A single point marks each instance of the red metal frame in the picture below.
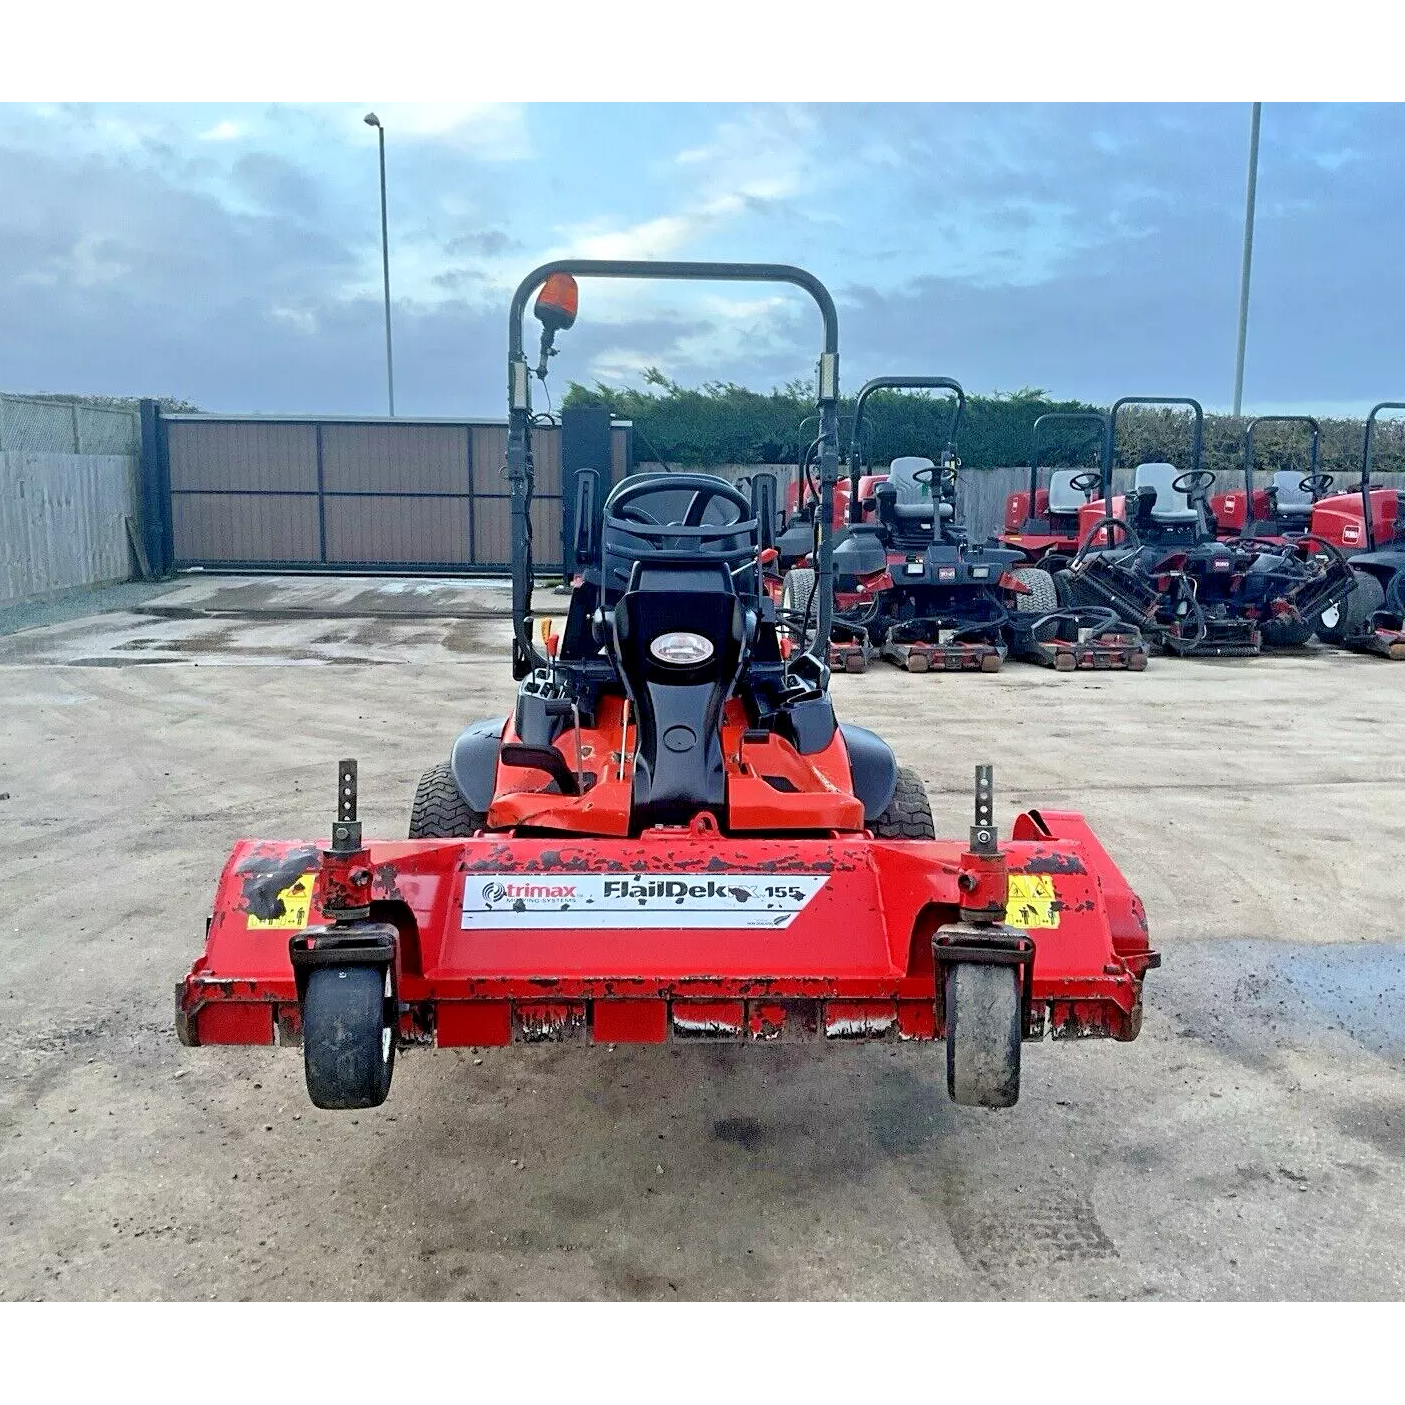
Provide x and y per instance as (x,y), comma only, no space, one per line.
(854,960)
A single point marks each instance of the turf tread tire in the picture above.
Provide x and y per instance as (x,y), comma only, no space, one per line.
(439,811)
(798,590)
(1042,599)
(1285,633)
(909,812)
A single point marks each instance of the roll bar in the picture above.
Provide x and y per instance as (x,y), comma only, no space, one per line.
(895,383)
(525,654)
(1065,416)
(1366,449)
(1110,442)
(1316,459)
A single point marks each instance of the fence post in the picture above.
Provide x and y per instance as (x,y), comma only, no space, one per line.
(155,491)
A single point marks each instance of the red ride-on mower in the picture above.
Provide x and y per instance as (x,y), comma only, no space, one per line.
(1368,524)
(1281,512)
(1161,567)
(909,586)
(670,836)
(1043,523)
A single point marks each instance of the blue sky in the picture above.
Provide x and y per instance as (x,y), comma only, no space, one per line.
(230,254)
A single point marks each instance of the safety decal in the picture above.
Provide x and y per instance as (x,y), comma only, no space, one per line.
(1030,901)
(589,900)
(297,903)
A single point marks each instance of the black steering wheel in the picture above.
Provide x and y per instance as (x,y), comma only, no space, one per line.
(1086,483)
(944,477)
(1316,484)
(623,503)
(1194,480)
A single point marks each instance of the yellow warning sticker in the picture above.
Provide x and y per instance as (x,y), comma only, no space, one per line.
(297,903)
(1031,901)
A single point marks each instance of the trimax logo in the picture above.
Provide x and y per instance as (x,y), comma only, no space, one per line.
(504,892)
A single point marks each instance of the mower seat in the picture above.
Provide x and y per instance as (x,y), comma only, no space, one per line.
(914,500)
(1170,507)
(1289,499)
(1064,500)
(678,766)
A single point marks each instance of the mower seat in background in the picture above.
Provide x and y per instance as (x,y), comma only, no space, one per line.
(1170,507)
(914,502)
(1290,499)
(1064,500)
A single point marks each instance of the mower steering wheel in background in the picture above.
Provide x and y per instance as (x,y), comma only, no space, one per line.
(1086,483)
(943,478)
(1316,484)
(1194,480)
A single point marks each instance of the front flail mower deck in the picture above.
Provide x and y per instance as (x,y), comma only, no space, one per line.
(680,933)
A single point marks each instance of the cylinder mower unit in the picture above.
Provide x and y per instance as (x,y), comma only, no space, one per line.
(671,837)
(1153,557)
(1367,524)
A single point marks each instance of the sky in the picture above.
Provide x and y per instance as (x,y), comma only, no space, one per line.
(230,254)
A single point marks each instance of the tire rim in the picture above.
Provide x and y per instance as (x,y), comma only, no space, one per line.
(1331,616)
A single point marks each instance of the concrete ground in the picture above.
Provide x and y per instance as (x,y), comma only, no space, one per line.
(1251,1144)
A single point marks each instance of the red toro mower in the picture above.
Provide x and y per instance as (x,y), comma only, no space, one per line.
(1368,525)
(1043,522)
(671,835)
(1153,557)
(1282,511)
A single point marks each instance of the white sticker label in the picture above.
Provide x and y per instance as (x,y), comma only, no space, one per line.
(592,900)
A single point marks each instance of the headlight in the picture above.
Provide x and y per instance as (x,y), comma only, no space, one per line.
(681,647)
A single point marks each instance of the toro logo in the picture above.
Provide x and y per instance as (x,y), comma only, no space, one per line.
(1351,534)
(504,892)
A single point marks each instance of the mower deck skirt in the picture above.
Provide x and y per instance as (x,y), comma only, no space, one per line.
(673,933)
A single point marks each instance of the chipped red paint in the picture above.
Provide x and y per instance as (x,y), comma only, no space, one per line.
(862,940)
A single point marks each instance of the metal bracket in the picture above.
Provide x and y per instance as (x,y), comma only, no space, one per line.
(983,832)
(346,832)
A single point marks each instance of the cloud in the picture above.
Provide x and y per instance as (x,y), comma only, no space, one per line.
(223,131)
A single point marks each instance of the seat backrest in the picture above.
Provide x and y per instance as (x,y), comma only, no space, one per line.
(1063,497)
(1170,505)
(915,499)
(1292,499)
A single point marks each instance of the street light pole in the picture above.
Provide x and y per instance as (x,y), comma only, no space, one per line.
(1248,256)
(372,120)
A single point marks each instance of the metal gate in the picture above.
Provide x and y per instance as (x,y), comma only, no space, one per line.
(310,494)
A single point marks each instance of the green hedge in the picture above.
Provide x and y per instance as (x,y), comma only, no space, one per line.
(722,423)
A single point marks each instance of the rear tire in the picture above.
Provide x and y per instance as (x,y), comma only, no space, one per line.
(909,812)
(439,811)
(1348,617)
(347,1046)
(1042,599)
(798,603)
(983,1034)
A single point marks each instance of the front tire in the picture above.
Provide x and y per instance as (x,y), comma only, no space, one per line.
(439,811)
(1347,618)
(909,812)
(798,604)
(1285,633)
(983,1033)
(1042,599)
(348,1042)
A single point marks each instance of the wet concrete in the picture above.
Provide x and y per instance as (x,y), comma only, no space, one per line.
(1250,1144)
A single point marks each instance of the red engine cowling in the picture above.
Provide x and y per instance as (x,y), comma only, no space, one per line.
(1339,519)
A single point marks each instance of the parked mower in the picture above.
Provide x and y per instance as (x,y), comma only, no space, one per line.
(796,543)
(913,588)
(1162,568)
(1043,522)
(1282,511)
(1368,524)
(670,835)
